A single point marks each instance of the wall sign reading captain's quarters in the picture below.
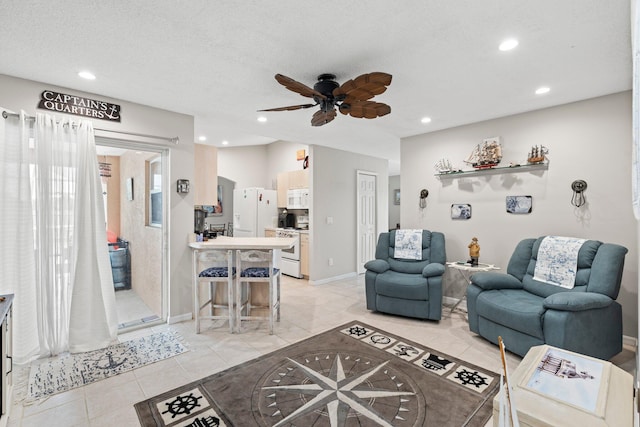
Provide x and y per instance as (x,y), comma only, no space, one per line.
(79,106)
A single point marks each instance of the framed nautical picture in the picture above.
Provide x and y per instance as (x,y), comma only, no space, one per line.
(519,204)
(460,211)
(396,196)
(571,378)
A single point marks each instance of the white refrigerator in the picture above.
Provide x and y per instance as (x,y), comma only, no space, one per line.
(253,210)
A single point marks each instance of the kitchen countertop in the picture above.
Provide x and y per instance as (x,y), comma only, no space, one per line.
(226,242)
(292,229)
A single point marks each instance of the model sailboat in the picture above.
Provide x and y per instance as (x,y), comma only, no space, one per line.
(486,155)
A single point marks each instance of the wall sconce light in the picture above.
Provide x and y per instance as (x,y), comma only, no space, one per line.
(183,186)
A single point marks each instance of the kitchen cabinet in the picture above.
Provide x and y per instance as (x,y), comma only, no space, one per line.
(292,180)
(205,175)
(299,179)
(282,188)
(304,254)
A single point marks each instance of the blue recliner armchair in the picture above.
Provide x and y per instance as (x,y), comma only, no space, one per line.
(411,288)
(526,312)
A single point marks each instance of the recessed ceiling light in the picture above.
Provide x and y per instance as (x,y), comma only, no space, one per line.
(425,120)
(508,44)
(262,119)
(542,90)
(202,138)
(87,75)
(225,142)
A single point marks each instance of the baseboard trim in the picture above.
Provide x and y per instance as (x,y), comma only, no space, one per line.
(179,318)
(333,279)
(630,341)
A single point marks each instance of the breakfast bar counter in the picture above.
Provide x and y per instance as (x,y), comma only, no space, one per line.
(244,243)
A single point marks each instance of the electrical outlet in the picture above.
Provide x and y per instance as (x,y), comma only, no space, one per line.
(330,261)
(329,220)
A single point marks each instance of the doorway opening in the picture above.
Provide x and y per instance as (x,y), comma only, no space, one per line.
(134,179)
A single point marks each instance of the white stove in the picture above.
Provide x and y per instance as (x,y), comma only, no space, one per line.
(290,258)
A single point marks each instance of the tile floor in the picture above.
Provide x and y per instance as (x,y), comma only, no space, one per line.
(131,309)
(306,310)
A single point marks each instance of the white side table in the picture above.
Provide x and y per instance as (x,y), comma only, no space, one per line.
(465,269)
(606,399)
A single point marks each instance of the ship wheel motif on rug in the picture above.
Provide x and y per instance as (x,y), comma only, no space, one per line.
(337,390)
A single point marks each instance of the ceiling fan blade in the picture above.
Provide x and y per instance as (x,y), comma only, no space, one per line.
(363,87)
(365,109)
(298,87)
(291,107)
(321,117)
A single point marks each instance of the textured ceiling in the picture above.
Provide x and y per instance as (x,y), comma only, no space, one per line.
(216,60)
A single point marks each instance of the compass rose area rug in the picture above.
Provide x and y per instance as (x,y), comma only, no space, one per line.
(73,370)
(353,375)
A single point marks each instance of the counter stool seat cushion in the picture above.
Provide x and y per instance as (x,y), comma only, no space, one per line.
(216,272)
(258,272)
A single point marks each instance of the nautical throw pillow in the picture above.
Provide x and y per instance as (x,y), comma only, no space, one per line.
(408,244)
(557,262)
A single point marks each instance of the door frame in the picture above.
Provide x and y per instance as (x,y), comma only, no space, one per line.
(359,268)
(165,154)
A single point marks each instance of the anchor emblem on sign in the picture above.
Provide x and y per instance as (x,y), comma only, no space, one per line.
(113,114)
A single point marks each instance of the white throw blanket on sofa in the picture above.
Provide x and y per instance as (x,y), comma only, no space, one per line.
(557,262)
(408,244)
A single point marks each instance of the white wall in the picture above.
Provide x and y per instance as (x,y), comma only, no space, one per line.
(247,166)
(20,94)
(282,158)
(589,140)
(334,183)
(394,210)
(259,165)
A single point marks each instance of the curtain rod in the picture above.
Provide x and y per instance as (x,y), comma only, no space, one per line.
(174,140)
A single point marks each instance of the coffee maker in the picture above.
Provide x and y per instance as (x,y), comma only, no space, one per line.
(290,221)
(282,219)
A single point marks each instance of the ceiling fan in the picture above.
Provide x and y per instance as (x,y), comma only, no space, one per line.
(352,97)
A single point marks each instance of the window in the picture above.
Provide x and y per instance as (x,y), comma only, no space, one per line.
(154,185)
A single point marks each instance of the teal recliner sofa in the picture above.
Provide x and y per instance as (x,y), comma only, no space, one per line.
(525,312)
(411,288)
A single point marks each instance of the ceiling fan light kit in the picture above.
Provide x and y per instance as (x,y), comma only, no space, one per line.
(351,98)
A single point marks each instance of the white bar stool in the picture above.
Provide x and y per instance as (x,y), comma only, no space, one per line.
(213,267)
(255,266)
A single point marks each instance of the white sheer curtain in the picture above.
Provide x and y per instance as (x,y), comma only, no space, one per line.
(74,299)
(17,255)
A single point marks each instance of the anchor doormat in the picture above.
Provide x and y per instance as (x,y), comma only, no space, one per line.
(353,375)
(73,370)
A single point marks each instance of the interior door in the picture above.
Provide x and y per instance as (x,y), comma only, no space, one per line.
(367,218)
